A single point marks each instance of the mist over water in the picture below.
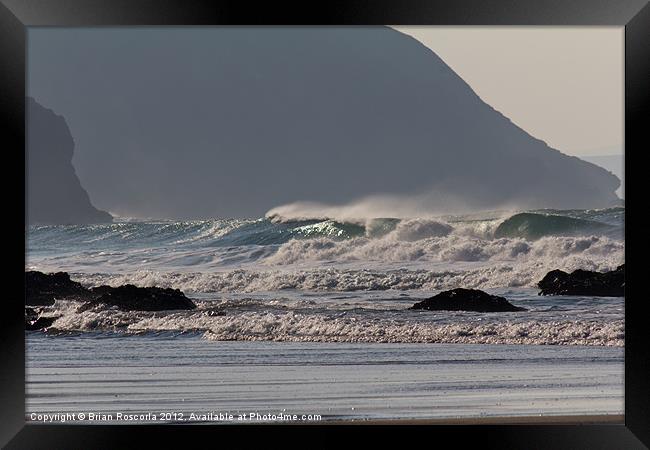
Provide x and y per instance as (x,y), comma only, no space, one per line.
(422,205)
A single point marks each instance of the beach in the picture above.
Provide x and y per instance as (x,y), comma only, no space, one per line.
(363,383)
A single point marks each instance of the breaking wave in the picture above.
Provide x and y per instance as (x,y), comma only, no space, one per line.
(298,327)
(216,245)
(513,274)
(324,265)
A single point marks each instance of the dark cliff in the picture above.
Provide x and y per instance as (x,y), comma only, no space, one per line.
(233,121)
(54,193)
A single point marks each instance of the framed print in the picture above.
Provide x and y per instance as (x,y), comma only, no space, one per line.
(351,215)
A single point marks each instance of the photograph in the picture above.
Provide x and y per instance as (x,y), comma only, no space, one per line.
(324,224)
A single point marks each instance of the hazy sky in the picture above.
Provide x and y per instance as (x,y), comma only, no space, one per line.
(563,85)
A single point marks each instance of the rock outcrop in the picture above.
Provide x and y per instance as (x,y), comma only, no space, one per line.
(132,298)
(466,300)
(35,322)
(54,192)
(43,289)
(584,282)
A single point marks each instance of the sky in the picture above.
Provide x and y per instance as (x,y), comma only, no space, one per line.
(564,85)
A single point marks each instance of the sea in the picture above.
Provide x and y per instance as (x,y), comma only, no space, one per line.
(308,319)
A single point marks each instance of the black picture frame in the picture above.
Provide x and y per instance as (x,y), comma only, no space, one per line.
(17,15)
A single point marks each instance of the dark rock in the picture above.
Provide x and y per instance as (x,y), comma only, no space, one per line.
(584,282)
(100,290)
(39,324)
(33,322)
(54,192)
(30,316)
(132,298)
(466,300)
(42,289)
(215,313)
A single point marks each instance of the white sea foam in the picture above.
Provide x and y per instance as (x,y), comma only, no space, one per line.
(288,270)
(292,326)
(316,328)
(504,274)
(450,248)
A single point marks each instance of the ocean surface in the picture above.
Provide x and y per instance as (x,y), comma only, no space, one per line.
(321,306)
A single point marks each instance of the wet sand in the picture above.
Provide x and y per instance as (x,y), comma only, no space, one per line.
(342,383)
